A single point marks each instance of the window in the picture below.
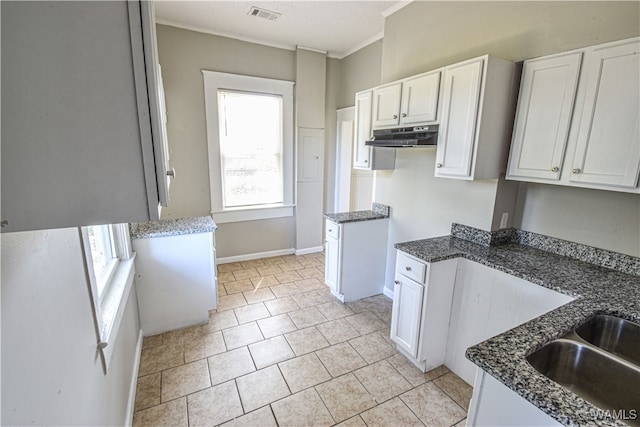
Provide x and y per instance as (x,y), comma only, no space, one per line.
(110,268)
(250,139)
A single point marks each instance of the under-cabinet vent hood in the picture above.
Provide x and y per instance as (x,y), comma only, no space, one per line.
(419,136)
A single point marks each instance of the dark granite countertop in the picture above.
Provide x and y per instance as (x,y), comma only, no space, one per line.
(596,290)
(172,227)
(378,211)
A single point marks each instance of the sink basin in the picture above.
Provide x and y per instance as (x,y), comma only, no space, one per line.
(602,380)
(614,335)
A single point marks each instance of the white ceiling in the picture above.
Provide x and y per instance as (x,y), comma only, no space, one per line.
(337,27)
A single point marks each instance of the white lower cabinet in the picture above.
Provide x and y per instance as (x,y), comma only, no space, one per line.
(495,404)
(421,309)
(355,258)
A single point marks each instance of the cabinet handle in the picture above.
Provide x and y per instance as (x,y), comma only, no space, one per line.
(397,282)
(555,169)
(330,230)
(366,161)
(395,116)
(171,172)
(4,223)
(404,114)
(408,268)
(575,170)
(438,165)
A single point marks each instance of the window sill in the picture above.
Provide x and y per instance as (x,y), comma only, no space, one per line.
(252,214)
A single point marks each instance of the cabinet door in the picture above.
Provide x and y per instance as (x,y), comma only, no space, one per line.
(405,315)
(456,138)
(420,99)
(386,105)
(545,106)
(608,142)
(332,264)
(362,152)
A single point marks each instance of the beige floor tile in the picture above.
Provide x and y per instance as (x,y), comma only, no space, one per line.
(252,263)
(172,413)
(386,334)
(242,335)
(372,347)
(310,273)
(306,340)
(258,295)
(407,369)
(185,379)
(287,276)
(261,388)
(308,299)
(345,397)
(384,315)
(249,313)
(214,405)
(456,388)
(246,273)
(281,305)
(232,364)
(203,346)
(228,302)
(229,267)
(284,290)
(391,413)
(291,266)
(461,423)
(269,269)
(264,281)
(148,391)
(276,325)
(262,417)
(304,372)
(436,372)
(273,260)
(160,358)
(270,352)
(334,310)
(366,322)
(220,320)
(238,286)
(340,359)
(226,277)
(302,409)
(151,341)
(337,331)
(433,406)
(221,290)
(353,422)
(308,285)
(382,381)
(307,317)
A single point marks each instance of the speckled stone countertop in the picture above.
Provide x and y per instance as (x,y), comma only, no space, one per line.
(378,211)
(596,290)
(172,227)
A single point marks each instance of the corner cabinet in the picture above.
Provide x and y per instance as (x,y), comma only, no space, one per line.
(355,258)
(409,102)
(82,140)
(422,296)
(477,112)
(578,119)
(364,156)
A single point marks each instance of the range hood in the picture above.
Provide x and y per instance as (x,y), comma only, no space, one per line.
(419,136)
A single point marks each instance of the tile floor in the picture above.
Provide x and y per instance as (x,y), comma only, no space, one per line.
(281,351)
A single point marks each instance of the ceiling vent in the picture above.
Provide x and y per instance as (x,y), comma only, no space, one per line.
(263,13)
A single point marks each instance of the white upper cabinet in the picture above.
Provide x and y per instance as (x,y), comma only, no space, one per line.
(477,105)
(409,102)
(364,156)
(586,137)
(81,115)
(545,106)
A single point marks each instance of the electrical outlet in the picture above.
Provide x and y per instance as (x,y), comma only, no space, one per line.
(504,220)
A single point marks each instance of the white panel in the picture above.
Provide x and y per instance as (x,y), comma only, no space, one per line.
(361,191)
(344,146)
(310,154)
(406,313)
(332,264)
(386,106)
(361,152)
(420,99)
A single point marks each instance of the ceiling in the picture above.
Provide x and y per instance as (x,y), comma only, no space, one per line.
(336,27)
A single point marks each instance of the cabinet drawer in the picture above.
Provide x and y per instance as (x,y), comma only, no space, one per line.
(409,267)
(332,230)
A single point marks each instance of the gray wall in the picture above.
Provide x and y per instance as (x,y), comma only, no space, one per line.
(183,54)
(360,71)
(51,372)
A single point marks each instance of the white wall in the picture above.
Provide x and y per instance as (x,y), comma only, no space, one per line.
(51,372)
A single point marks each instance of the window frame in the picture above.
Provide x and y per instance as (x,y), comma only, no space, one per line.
(214,81)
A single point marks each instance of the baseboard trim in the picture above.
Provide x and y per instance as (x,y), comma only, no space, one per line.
(134,381)
(388,292)
(309,250)
(256,255)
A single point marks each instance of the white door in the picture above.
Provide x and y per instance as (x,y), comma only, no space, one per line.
(344,145)
(405,315)
(332,259)
(545,107)
(420,99)
(386,105)
(608,142)
(362,152)
(456,137)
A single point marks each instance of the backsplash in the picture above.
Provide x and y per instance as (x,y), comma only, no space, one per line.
(600,257)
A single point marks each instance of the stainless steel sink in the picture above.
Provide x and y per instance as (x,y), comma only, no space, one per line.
(590,374)
(614,335)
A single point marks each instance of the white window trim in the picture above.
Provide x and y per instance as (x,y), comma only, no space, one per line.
(212,82)
(108,309)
